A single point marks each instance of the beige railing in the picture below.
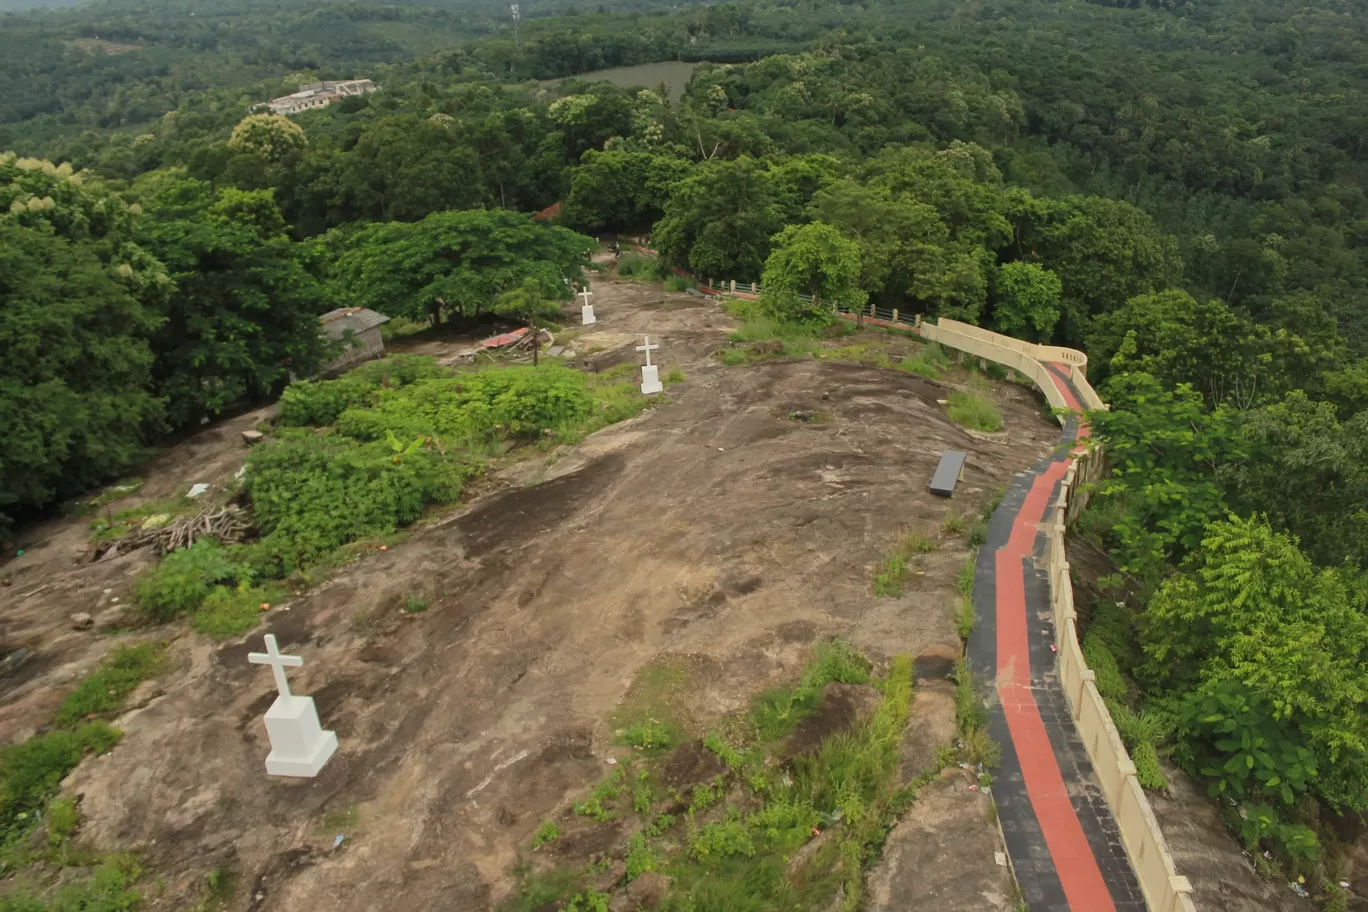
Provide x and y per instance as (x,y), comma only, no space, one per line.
(1165,890)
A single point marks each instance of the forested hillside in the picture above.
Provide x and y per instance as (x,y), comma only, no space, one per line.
(1176,187)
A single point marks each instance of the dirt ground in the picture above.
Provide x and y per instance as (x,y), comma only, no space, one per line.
(711,532)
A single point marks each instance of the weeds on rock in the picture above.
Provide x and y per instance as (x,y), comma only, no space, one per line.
(547,832)
(891,576)
(965,619)
(974,410)
(104,690)
(736,846)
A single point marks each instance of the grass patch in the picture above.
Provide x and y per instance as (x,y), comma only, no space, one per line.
(891,574)
(231,612)
(965,618)
(953,524)
(972,409)
(776,712)
(342,820)
(109,888)
(964,580)
(672,376)
(633,265)
(30,772)
(677,283)
(930,363)
(102,693)
(655,714)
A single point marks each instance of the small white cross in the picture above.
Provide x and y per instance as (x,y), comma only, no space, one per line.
(585,294)
(277,662)
(647,348)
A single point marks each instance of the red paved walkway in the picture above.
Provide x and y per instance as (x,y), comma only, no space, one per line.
(1077,867)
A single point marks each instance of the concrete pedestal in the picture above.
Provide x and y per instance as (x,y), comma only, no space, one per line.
(299,745)
(650,379)
(587,314)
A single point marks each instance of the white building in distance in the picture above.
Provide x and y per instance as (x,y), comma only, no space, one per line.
(317,95)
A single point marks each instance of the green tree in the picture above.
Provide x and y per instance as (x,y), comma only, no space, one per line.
(1253,612)
(620,191)
(272,136)
(1027,301)
(812,259)
(405,167)
(1166,450)
(75,406)
(455,262)
(720,219)
(1309,473)
(244,312)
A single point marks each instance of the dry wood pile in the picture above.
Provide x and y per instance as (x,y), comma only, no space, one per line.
(228,524)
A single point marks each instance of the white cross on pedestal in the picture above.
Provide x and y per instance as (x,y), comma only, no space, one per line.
(277,662)
(647,348)
(650,373)
(299,745)
(587,311)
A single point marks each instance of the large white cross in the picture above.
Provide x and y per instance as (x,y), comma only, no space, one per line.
(585,294)
(277,662)
(647,348)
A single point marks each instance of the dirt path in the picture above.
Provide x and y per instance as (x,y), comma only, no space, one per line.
(711,532)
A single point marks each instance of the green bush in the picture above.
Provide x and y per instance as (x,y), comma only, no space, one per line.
(184,579)
(467,409)
(677,283)
(31,770)
(974,410)
(314,403)
(102,693)
(313,493)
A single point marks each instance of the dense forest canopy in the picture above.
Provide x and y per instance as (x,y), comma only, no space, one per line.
(1176,187)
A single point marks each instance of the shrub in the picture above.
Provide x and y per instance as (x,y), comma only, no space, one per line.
(313,403)
(62,820)
(102,693)
(677,283)
(650,735)
(184,579)
(474,408)
(717,841)
(974,410)
(312,493)
(547,832)
(640,858)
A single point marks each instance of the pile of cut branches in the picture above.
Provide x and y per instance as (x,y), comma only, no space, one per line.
(227,524)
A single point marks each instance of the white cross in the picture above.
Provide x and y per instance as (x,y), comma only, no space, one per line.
(647,348)
(277,662)
(585,294)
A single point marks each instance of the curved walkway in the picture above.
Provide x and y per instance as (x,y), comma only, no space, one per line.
(1065,849)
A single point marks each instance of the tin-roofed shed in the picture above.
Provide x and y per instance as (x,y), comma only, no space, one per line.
(359,329)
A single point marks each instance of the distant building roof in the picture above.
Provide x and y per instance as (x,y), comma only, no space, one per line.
(336,323)
(548,213)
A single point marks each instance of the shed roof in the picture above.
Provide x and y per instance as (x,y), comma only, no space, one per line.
(357,319)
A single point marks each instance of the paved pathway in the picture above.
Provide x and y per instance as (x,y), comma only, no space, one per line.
(1063,842)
